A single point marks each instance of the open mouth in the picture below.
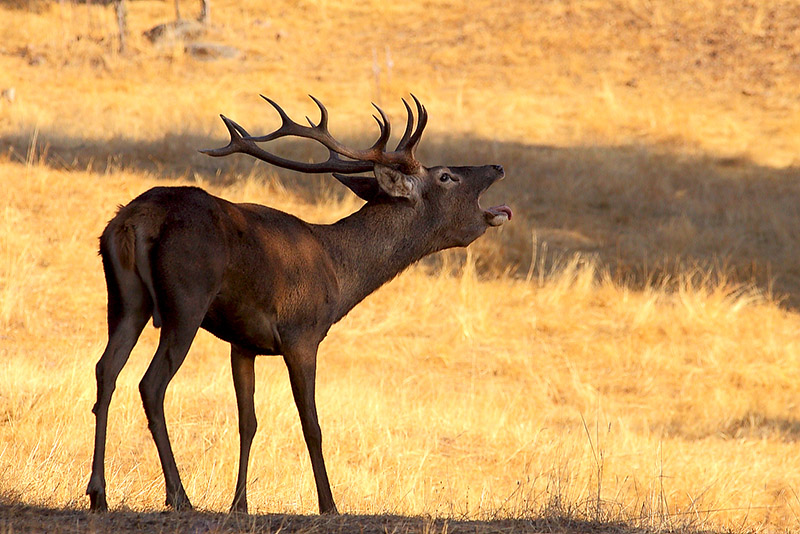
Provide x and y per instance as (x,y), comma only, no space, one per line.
(497,215)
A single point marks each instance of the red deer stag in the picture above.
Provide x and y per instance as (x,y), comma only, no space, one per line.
(268,282)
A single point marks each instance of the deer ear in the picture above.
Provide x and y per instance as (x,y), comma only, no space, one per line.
(394,182)
(366,187)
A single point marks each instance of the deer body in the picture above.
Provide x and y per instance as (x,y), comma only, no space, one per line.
(267,282)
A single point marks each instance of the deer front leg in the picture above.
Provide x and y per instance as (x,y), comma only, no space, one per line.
(244,383)
(302,365)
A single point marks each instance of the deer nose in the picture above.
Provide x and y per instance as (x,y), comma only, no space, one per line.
(498,168)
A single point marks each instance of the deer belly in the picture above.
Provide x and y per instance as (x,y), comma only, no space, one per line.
(254,330)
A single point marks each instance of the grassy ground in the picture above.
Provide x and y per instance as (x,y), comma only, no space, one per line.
(650,379)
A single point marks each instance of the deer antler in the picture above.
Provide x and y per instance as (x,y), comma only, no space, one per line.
(359,160)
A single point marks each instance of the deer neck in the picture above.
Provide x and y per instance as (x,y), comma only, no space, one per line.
(372,246)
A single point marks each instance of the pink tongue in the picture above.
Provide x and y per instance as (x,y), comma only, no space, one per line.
(497,210)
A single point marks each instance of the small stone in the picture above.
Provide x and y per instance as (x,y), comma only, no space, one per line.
(9,94)
(211,51)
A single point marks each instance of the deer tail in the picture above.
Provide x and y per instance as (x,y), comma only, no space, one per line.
(127,246)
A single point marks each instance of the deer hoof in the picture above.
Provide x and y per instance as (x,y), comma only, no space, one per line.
(330,511)
(97,495)
(239,506)
(178,501)
(97,501)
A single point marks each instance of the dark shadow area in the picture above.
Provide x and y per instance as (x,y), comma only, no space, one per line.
(752,427)
(19,518)
(758,426)
(39,5)
(644,214)
(28,5)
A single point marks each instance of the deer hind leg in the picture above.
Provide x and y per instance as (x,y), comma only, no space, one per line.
(129,308)
(242,365)
(176,337)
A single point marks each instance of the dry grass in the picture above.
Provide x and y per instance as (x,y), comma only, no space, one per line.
(650,379)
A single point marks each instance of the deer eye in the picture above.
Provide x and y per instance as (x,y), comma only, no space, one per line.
(445,177)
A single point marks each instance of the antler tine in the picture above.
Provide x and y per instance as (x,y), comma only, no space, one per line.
(236,142)
(422,121)
(288,126)
(386,130)
(323,114)
(409,127)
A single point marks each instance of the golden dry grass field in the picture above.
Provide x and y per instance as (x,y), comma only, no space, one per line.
(624,355)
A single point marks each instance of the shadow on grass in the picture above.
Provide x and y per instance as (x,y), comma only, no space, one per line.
(644,214)
(19,517)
